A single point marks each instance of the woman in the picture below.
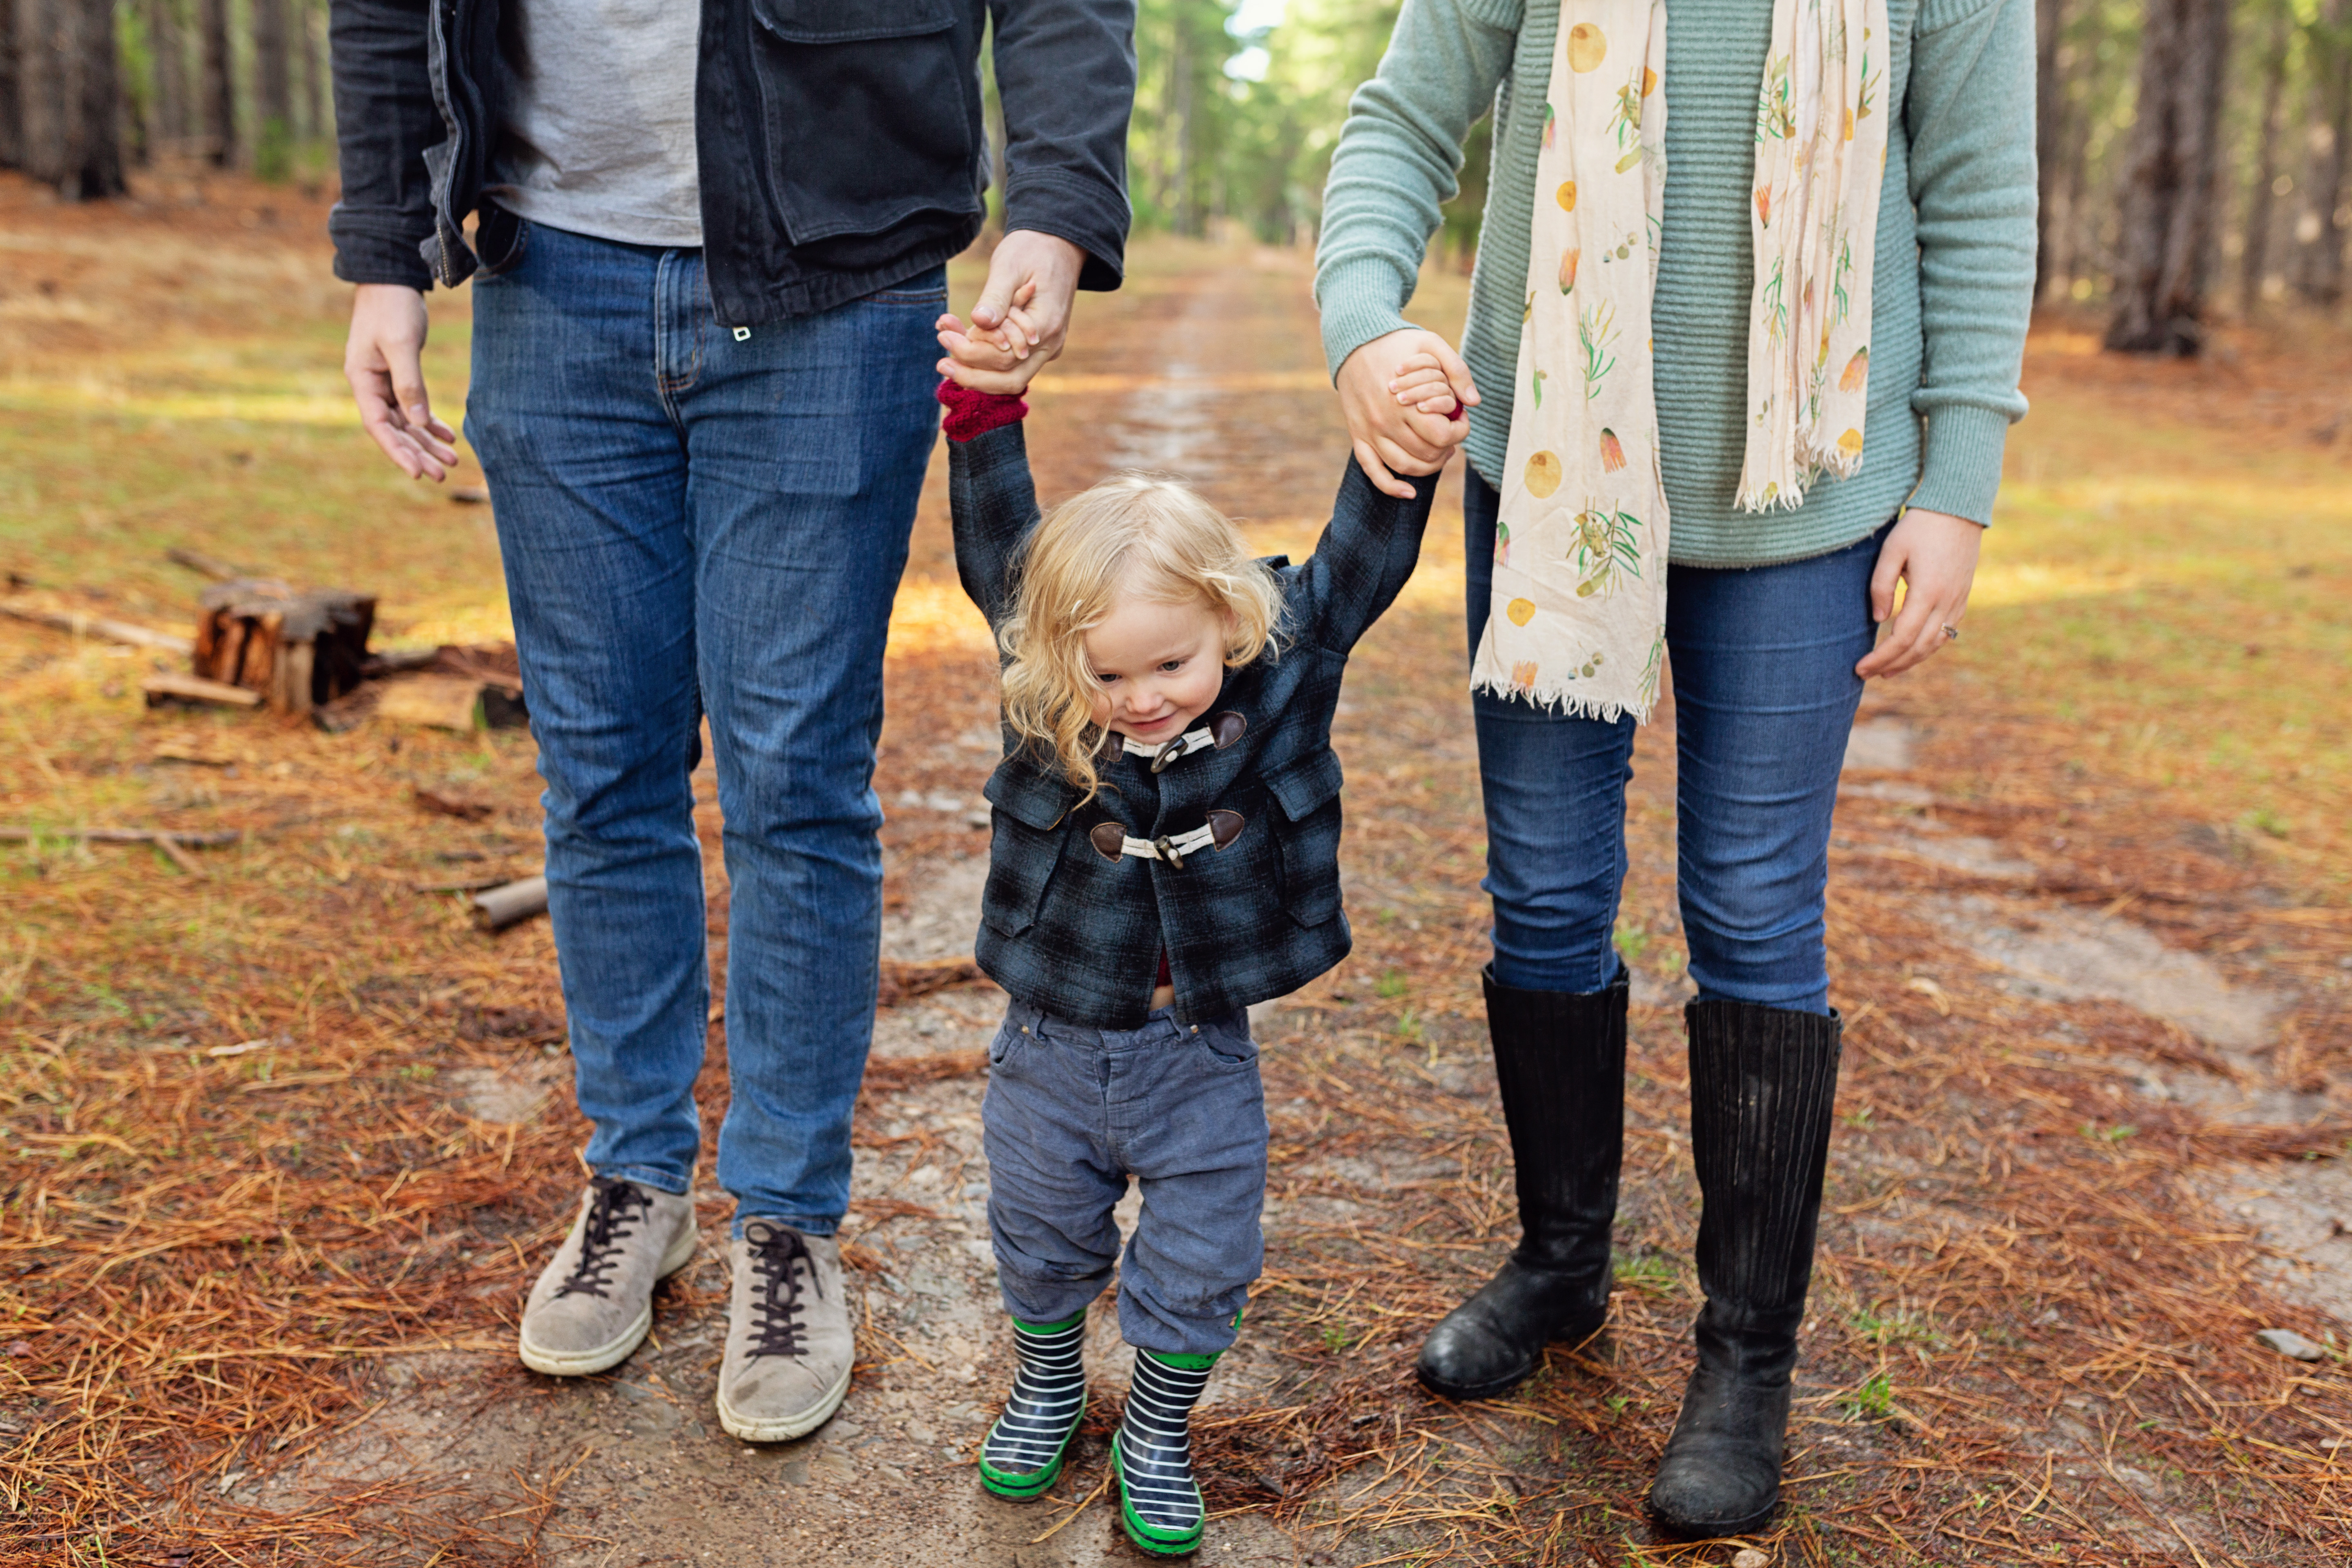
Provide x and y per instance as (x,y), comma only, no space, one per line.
(1802,347)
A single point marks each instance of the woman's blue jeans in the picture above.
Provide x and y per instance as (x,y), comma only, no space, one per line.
(1762,661)
(696,522)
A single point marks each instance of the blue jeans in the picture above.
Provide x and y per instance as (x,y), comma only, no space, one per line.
(1071,1112)
(696,523)
(1762,661)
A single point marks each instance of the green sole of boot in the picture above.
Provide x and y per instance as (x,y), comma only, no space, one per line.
(1149,1537)
(1027,1485)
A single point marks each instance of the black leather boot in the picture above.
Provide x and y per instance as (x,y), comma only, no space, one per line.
(1762,1080)
(1560,1062)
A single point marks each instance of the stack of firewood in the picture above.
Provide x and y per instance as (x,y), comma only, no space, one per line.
(297,647)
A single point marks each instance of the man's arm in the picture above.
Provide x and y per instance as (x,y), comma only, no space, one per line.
(384,118)
(991,496)
(1066,73)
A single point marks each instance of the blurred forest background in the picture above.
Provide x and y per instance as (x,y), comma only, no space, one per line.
(2193,152)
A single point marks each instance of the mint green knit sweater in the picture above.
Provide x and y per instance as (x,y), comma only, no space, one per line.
(1955,260)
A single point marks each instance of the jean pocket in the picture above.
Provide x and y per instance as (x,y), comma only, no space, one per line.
(500,241)
(1226,1044)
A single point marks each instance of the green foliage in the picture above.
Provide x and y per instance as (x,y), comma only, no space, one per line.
(273,152)
(1647,1272)
(1873,1401)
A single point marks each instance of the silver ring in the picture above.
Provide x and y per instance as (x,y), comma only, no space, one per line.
(1951,634)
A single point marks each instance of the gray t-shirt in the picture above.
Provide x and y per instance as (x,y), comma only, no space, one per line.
(599,132)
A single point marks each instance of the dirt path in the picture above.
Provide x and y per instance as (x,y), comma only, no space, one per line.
(2088,1117)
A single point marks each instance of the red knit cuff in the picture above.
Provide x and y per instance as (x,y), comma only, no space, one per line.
(972,413)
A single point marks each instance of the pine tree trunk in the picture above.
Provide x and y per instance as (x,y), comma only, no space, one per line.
(169,46)
(2259,193)
(308,23)
(2164,238)
(96,164)
(2050,137)
(273,87)
(71,104)
(216,82)
(11,103)
(2320,276)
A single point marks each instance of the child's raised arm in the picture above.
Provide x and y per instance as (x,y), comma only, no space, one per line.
(991,497)
(1360,565)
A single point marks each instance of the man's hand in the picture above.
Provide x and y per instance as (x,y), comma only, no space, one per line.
(384,363)
(1021,317)
(1935,554)
(1390,424)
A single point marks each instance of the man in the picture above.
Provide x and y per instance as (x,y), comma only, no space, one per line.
(711,249)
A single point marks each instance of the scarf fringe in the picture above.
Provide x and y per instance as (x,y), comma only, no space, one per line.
(1565,704)
(1781,497)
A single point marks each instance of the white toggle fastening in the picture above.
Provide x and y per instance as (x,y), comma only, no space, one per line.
(1202,838)
(742,335)
(1167,751)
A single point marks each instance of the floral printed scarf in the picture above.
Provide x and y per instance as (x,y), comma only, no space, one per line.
(1579,601)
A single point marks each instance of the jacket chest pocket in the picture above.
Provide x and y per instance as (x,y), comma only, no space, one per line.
(1026,841)
(1307,796)
(871,113)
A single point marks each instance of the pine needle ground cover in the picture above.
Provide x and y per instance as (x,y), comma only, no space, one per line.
(285,1139)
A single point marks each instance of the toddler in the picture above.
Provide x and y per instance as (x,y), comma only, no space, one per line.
(1165,852)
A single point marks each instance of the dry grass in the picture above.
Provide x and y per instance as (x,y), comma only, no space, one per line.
(2030,1340)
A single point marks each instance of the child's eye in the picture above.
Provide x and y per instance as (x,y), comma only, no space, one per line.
(1102,679)
(1171,667)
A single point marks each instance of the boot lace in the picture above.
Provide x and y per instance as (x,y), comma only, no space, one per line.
(612,1213)
(779,1258)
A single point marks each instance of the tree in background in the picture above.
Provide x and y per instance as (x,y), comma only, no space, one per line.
(273,90)
(217,81)
(2321,228)
(12,111)
(67,93)
(2261,191)
(2165,229)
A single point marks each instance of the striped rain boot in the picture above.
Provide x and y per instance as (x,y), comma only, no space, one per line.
(1151,1455)
(1024,1452)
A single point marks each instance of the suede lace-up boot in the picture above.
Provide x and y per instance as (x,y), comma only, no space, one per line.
(1560,1063)
(1023,1454)
(789,1343)
(1160,1504)
(1762,1083)
(594,1300)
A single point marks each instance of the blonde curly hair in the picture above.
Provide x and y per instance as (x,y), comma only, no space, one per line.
(1132,534)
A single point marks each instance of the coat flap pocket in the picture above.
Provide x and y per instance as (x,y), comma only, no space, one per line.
(1306,785)
(832,22)
(1025,795)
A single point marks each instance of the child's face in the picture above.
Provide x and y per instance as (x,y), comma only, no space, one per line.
(1157,666)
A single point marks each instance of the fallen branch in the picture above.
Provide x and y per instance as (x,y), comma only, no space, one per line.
(495,908)
(904,980)
(79,624)
(211,566)
(174,846)
(170,685)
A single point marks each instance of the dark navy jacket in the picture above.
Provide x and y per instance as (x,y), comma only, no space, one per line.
(1079,933)
(840,140)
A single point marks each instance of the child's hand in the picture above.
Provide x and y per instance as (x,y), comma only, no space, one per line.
(1000,350)
(1420,384)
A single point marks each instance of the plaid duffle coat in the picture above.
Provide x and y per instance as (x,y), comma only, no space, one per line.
(1079,932)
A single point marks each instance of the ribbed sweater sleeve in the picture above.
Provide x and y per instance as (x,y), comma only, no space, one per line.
(1970,118)
(1397,162)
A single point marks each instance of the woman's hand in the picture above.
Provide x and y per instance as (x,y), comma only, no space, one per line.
(1935,554)
(1394,436)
